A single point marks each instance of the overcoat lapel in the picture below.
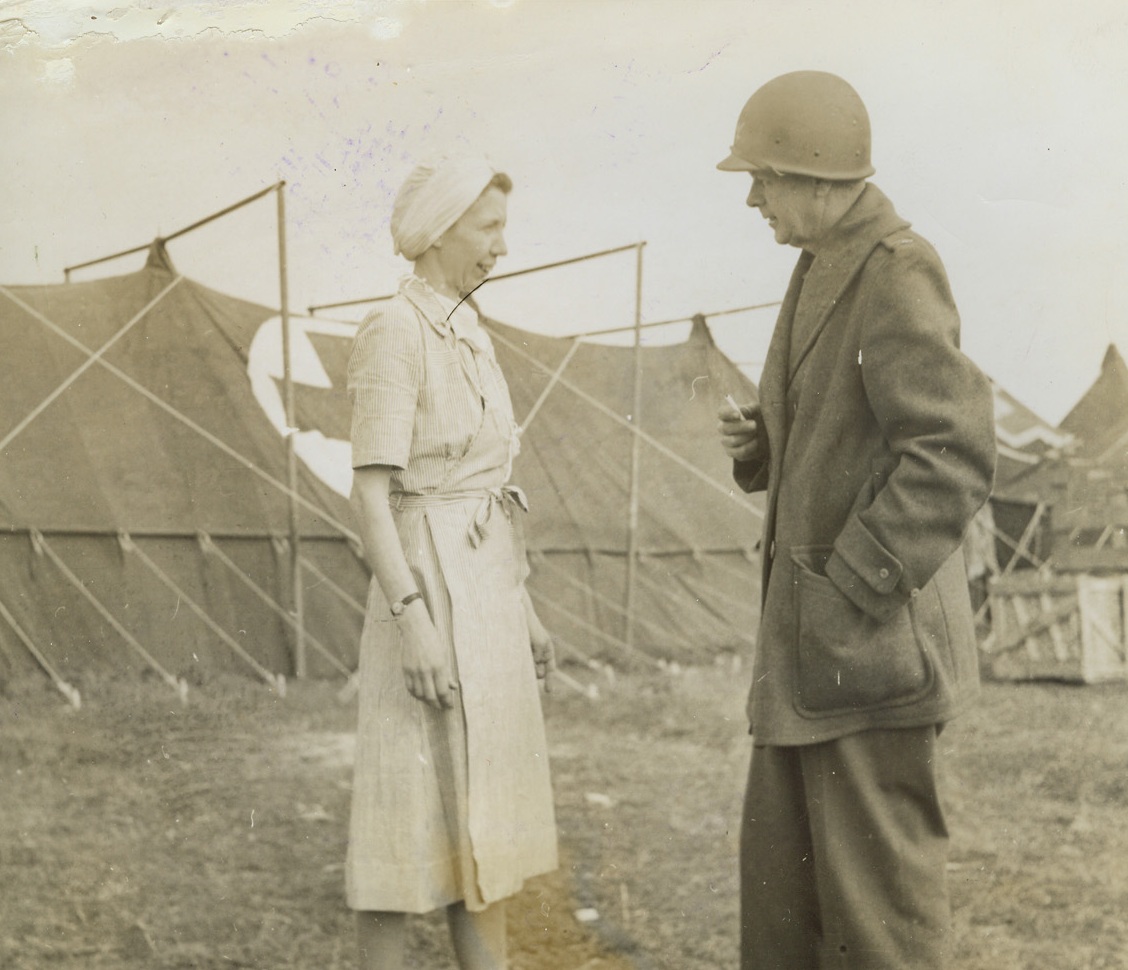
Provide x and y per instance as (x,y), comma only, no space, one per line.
(774,377)
(840,258)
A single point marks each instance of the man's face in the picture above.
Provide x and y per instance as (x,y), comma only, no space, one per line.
(791,204)
(473,244)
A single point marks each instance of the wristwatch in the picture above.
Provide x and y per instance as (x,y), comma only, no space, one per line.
(400,605)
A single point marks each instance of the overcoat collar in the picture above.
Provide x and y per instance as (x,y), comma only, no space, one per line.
(821,281)
(842,253)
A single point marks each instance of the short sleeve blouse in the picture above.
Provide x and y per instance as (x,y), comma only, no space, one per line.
(421,392)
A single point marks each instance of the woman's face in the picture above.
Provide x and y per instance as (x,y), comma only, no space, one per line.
(468,250)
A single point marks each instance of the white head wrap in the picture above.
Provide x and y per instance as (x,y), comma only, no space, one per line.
(433,197)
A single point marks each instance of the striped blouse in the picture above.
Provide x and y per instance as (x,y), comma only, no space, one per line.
(421,386)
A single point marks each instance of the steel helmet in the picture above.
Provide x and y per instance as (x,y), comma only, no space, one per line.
(803,123)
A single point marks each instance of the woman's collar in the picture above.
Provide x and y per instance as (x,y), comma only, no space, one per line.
(442,313)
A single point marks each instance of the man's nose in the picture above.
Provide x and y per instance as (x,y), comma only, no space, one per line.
(755,195)
(499,248)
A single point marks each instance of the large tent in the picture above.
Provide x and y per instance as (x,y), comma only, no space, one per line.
(148,523)
(145,515)
(694,583)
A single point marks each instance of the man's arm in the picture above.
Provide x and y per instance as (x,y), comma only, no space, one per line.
(935,410)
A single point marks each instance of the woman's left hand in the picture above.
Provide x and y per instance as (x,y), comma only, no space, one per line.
(544,655)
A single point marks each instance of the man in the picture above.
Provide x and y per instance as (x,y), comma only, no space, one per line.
(874,438)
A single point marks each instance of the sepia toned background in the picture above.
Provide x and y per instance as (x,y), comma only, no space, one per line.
(998,130)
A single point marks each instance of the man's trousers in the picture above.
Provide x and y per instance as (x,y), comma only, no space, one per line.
(843,855)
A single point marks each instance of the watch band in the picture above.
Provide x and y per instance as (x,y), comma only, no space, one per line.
(400,605)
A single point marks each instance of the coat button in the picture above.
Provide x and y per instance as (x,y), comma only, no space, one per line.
(883,573)
(914,593)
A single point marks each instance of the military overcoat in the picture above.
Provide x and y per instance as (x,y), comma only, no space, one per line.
(877,448)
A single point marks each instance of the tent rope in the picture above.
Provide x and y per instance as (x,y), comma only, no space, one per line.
(188,422)
(597,596)
(594,630)
(277,681)
(657,588)
(590,691)
(731,601)
(556,375)
(733,571)
(210,548)
(623,422)
(67,690)
(342,594)
(717,563)
(86,365)
(177,684)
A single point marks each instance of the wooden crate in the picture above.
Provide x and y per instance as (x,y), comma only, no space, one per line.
(1058,626)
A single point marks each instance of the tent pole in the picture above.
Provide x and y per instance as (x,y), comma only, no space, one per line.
(636,452)
(291,457)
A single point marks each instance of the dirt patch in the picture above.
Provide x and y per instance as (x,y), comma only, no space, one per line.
(142,833)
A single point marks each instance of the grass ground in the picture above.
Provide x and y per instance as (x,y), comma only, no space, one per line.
(142,833)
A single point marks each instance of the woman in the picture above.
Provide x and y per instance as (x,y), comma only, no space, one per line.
(452,804)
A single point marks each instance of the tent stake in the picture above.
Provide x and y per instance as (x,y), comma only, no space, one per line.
(291,456)
(178,684)
(67,690)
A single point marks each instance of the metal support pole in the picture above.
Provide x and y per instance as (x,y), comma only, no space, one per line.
(636,453)
(291,457)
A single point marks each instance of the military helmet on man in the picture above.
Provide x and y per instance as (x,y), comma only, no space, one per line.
(808,123)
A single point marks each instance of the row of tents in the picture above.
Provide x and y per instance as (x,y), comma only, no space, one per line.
(148,523)
(151,521)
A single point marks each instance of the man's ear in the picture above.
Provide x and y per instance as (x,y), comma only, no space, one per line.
(822,188)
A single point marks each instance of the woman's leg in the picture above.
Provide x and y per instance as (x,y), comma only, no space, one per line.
(381,940)
(479,938)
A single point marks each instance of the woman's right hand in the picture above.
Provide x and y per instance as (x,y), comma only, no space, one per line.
(426,669)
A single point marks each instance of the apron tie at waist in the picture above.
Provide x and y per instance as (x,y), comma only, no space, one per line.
(506,496)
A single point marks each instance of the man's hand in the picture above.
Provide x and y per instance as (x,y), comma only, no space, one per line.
(739,431)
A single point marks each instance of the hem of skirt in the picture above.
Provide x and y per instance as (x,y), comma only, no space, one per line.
(379,901)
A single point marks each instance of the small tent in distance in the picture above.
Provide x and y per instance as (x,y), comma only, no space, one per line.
(1065,619)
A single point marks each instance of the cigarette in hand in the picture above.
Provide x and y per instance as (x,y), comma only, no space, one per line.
(732,404)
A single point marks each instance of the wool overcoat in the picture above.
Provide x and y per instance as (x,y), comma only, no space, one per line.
(876,448)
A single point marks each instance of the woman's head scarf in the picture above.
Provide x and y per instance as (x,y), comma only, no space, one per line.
(433,198)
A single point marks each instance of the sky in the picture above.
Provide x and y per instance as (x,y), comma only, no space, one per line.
(999,132)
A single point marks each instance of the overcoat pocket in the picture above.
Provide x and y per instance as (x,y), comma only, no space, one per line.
(845,659)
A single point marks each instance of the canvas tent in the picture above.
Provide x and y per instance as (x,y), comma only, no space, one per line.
(143,502)
(1071,503)
(1058,606)
(146,517)
(696,577)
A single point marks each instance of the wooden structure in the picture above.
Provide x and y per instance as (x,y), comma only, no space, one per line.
(1058,626)
(1058,605)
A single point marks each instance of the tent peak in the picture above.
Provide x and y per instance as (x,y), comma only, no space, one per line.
(1113,359)
(158,257)
(701,329)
